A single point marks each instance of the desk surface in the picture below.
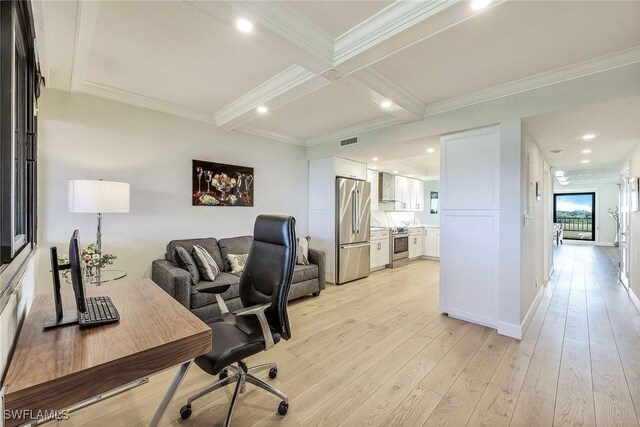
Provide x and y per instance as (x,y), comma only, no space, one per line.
(56,368)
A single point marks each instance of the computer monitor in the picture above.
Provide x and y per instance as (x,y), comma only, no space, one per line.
(75,268)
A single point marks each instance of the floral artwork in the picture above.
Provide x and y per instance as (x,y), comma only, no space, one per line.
(218,184)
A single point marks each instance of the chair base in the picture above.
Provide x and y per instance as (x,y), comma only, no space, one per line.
(240,375)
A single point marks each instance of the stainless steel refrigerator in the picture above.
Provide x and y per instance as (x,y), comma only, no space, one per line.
(353,229)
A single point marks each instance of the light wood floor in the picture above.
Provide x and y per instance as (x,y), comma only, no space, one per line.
(377,352)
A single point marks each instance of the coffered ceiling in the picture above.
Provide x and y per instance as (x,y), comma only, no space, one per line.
(323,69)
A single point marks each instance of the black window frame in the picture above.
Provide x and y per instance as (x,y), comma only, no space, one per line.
(18,144)
(593,213)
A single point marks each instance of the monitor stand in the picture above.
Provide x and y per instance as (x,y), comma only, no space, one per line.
(69,317)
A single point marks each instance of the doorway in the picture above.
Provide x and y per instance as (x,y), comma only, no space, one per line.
(577,214)
(625,198)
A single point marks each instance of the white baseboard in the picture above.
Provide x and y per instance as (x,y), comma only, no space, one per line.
(634,299)
(517,331)
(605,244)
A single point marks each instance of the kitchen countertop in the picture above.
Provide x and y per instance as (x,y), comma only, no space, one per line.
(382,228)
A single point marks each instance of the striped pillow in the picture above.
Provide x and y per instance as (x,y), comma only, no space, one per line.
(206,264)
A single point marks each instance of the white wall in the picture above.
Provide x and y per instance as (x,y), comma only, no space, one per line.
(425,216)
(607,197)
(85,137)
(533,274)
(634,239)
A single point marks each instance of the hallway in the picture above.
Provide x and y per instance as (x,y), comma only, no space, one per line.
(585,367)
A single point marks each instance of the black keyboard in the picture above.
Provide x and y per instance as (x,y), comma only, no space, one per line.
(100,311)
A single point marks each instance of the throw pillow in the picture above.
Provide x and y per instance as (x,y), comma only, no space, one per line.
(208,268)
(185,261)
(237,262)
(302,254)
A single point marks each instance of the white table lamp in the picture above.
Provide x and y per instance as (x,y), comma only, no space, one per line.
(97,196)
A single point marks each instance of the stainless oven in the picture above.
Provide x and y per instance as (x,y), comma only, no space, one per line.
(399,247)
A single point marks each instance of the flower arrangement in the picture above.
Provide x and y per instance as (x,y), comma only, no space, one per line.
(90,260)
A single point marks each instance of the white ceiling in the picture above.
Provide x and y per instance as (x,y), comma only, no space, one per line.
(510,42)
(616,125)
(187,58)
(173,52)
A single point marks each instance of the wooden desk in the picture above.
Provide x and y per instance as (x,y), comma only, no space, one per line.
(56,368)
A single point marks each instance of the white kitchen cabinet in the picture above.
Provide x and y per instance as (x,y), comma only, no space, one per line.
(373,179)
(379,253)
(350,169)
(415,243)
(409,194)
(431,243)
(417,195)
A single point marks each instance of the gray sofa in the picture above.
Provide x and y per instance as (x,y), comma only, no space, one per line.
(307,279)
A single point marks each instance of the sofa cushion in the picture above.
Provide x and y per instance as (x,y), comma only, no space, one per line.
(186,262)
(209,243)
(303,273)
(233,245)
(200,299)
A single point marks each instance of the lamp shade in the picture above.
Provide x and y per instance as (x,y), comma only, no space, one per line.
(92,196)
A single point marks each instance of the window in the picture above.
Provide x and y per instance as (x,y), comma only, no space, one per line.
(18,81)
(576,213)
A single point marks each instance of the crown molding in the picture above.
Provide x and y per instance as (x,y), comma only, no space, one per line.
(387,89)
(390,21)
(269,135)
(86,20)
(290,84)
(353,130)
(615,60)
(144,101)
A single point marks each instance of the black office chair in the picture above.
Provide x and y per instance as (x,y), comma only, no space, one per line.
(264,291)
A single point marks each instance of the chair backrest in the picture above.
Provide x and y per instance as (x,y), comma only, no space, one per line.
(269,268)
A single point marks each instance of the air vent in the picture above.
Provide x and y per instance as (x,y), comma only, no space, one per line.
(349,141)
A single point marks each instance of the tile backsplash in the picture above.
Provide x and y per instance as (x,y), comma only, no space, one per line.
(392,219)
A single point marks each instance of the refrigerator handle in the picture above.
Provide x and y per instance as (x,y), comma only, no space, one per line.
(354,224)
(359,210)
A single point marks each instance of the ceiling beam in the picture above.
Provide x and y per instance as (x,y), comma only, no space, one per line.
(292,83)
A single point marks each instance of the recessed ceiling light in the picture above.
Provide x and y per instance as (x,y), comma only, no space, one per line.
(244,25)
(479,4)
(375,159)
(262,109)
(431,150)
(588,136)
(559,173)
(585,161)
(395,172)
(587,151)
(385,104)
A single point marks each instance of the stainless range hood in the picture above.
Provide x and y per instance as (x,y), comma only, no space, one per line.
(386,188)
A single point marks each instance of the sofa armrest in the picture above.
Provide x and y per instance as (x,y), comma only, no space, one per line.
(173,279)
(319,258)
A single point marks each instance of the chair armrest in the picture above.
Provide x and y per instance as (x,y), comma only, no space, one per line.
(173,280)
(319,258)
(258,310)
(218,290)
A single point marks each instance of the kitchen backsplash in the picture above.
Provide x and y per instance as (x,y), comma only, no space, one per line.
(392,219)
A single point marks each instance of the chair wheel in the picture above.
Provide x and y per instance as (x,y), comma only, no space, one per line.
(283,408)
(316,294)
(223,374)
(185,412)
(273,373)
